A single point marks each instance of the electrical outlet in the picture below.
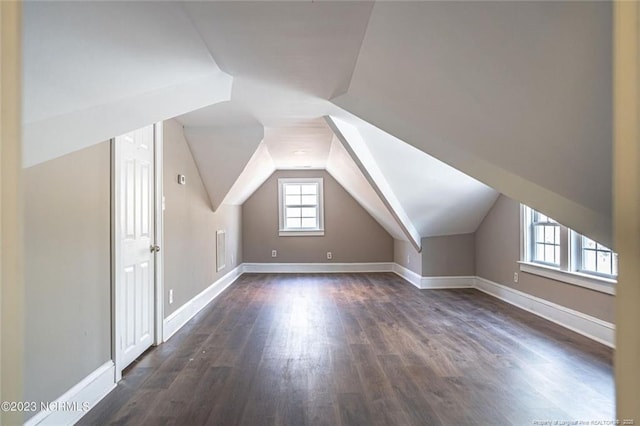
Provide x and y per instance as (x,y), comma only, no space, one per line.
(329,255)
(274,253)
(515,277)
(170,296)
(408,260)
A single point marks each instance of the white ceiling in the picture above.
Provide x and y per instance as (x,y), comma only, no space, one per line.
(309,47)
(438,199)
(493,89)
(221,154)
(516,94)
(95,70)
(303,145)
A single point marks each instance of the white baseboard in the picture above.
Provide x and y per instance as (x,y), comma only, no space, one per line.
(70,407)
(300,268)
(591,327)
(447,282)
(413,277)
(183,314)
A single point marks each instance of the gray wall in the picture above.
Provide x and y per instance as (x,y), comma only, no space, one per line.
(351,234)
(405,255)
(67,271)
(497,254)
(190,225)
(449,255)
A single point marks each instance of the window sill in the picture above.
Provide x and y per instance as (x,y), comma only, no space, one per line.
(318,233)
(602,285)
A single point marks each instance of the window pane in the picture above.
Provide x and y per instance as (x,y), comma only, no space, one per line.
(556,259)
(539,252)
(589,260)
(292,200)
(604,262)
(539,233)
(549,252)
(309,223)
(615,265)
(309,200)
(293,212)
(588,243)
(309,189)
(549,234)
(309,212)
(556,235)
(291,189)
(293,223)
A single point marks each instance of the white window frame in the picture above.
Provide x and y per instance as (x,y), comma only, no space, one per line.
(577,252)
(304,232)
(567,271)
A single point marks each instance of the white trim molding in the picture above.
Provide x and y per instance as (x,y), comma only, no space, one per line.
(77,401)
(183,314)
(434,283)
(591,327)
(413,277)
(310,268)
(603,285)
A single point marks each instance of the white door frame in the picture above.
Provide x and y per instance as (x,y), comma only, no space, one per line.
(115,251)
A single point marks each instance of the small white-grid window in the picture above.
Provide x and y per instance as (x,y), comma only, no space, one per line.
(300,203)
(592,257)
(545,239)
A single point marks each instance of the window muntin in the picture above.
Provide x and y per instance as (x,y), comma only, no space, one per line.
(545,239)
(301,206)
(548,243)
(594,258)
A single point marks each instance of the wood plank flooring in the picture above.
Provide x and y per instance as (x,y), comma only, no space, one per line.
(362,349)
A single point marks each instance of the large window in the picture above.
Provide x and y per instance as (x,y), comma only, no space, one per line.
(301,206)
(549,246)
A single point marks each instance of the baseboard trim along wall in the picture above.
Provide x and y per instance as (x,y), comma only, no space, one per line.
(320,268)
(76,402)
(413,277)
(591,327)
(184,313)
(433,283)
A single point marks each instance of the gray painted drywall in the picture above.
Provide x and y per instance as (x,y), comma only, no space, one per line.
(351,234)
(67,271)
(406,255)
(190,225)
(448,255)
(497,254)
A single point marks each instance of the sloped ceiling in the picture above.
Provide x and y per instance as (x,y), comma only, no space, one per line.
(450,201)
(221,154)
(94,70)
(515,94)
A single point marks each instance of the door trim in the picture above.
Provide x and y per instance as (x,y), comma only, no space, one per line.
(158,305)
(158,141)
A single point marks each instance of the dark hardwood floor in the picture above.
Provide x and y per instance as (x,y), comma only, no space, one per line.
(362,349)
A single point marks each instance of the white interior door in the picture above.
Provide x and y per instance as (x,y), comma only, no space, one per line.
(135,246)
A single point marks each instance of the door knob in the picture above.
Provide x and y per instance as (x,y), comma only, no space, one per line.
(155,249)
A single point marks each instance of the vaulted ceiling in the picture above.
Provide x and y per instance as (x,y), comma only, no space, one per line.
(423,111)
